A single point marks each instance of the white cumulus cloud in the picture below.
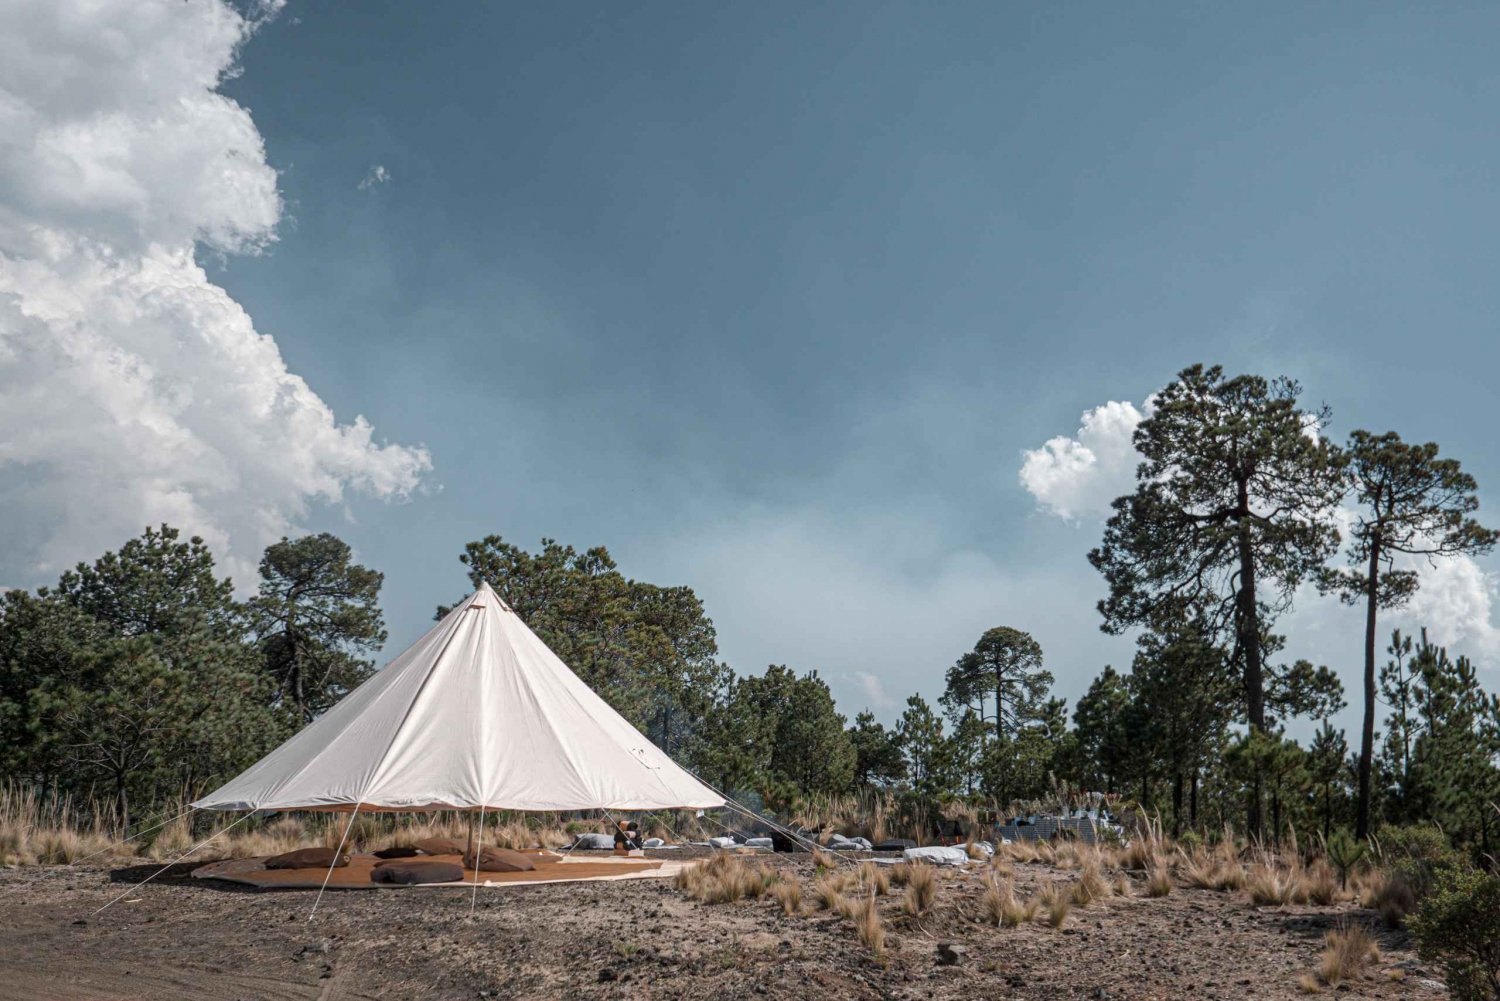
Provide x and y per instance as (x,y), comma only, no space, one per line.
(132,388)
(1079,476)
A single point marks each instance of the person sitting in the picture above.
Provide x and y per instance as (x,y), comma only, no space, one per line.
(627,838)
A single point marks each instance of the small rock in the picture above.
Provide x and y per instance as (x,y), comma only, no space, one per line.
(950,954)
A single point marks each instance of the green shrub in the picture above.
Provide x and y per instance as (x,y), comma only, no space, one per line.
(1418,854)
(1458,923)
(1190,841)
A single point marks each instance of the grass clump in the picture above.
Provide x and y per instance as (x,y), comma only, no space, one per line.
(1091,885)
(1056,901)
(875,879)
(1346,953)
(788,894)
(1158,882)
(921,891)
(1270,886)
(722,879)
(868,927)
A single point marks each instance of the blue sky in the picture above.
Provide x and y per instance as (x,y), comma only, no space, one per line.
(771,299)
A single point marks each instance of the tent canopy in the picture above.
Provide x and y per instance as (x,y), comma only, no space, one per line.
(476,714)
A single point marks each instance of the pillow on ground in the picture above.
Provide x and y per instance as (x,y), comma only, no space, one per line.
(439,846)
(759,843)
(723,842)
(840,843)
(499,860)
(652,843)
(603,842)
(397,851)
(411,873)
(308,858)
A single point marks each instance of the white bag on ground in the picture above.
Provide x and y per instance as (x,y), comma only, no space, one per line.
(603,842)
(937,855)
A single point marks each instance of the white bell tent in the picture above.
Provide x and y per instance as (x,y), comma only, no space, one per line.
(476,715)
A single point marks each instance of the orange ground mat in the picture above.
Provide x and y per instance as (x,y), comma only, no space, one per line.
(550,868)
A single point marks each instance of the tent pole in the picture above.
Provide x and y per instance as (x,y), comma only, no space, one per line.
(474,854)
(336,853)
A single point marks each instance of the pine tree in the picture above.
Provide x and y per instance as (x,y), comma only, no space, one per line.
(1412,503)
(1231,512)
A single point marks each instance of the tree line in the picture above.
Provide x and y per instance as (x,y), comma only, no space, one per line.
(141,677)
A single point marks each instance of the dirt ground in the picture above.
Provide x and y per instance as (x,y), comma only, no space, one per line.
(185,938)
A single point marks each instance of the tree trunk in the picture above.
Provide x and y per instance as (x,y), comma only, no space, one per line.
(1248,628)
(1367,731)
(122,802)
(1177,784)
(1193,801)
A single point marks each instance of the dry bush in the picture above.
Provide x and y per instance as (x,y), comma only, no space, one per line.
(1046,852)
(788,893)
(868,926)
(901,873)
(1308,984)
(921,891)
(1066,856)
(1346,953)
(874,878)
(1019,851)
(1319,884)
(1213,873)
(721,880)
(992,902)
(1390,893)
(1158,882)
(1269,886)
(1056,901)
(828,891)
(1091,885)
(823,860)
(1122,887)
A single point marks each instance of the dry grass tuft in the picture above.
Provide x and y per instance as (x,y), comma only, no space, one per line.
(1308,984)
(868,927)
(788,893)
(1319,885)
(1122,887)
(874,878)
(828,892)
(1091,885)
(921,891)
(722,879)
(1392,895)
(1159,882)
(1270,886)
(901,873)
(1056,901)
(1346,953)
(823,860)
(1213,873)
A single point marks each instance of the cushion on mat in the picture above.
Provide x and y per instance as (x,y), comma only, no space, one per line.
(397,851)
(308,858)
(499,860)
(439,846)
(411,873)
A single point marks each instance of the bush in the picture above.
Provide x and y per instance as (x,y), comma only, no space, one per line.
(1458,923)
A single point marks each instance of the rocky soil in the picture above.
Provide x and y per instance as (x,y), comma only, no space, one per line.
(185,938)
